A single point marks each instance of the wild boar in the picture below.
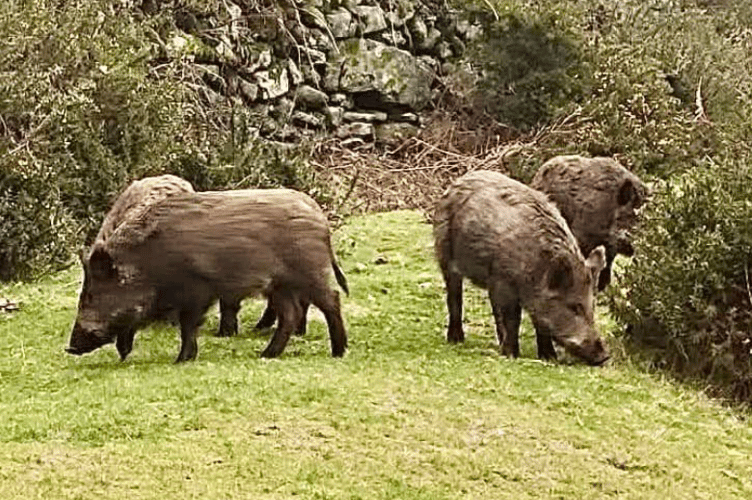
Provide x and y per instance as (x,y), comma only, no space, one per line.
(190,249)
(133,202)
(510,240)
(598,198)
(131,205)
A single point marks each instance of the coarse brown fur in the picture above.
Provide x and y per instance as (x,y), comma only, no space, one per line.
(510,240)
(598,198)
(193,248)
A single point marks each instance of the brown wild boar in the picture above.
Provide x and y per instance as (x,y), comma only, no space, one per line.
(190,249)
(133,202)
(510,240)
(598,198)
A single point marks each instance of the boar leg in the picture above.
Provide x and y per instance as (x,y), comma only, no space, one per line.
(189,323)
(453,281)
(507,314)
(300,330)
(545,341)
(267,319)
(328,301)
(604,278)
(124,343)
(228,318)
(288,313)
(270,316)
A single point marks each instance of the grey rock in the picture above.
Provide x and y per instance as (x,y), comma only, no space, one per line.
(393,37)
(313,17)
(282,109)
(418,30)
(444,50)
(356,129)
(259,57)
(296,76)
(307,119)
(274,83)
(334,115)
(350,4)
(248,90)
(365,116)
(371,19)
(394,134)
(322,40)
(430,62)
(474,33)
(352,142)
(311,98)
(405,117)
(399,12)
(341,23)
(310,75)
(432,38)
(395,76)
(313,56)
(340,99)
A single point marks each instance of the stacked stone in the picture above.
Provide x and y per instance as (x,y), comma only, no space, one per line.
(363,70)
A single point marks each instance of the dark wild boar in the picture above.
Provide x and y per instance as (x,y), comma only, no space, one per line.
(510,240)
(598,198)
(190,249)
(133,203)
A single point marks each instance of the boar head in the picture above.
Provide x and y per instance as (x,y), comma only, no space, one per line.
(565,310)
(112,302)
(629,199)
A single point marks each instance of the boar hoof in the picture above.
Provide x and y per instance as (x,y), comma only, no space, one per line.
(271,352)
(455,335)
(186,356)
(226,332)
(546,349)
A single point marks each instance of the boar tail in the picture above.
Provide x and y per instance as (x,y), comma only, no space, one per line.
(340,277)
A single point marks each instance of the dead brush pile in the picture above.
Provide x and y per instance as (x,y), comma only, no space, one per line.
(414,173)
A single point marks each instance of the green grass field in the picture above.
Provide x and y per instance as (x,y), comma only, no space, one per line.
(403,415)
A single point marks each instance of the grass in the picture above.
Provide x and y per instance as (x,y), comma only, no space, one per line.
(403,416)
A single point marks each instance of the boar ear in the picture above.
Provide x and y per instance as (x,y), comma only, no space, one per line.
(101,264)
(560,275)
(627,193)
(596,261)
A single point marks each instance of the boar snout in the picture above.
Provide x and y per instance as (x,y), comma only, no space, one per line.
(83,340)
(592,351)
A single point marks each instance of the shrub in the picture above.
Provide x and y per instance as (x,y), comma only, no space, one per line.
(687,291)
(530,67)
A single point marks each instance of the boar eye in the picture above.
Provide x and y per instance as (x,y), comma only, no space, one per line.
(577,309)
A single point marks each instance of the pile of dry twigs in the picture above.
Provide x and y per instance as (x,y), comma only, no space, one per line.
(413,174)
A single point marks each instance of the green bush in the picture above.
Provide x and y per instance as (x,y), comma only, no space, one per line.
(530,68)
(687,292)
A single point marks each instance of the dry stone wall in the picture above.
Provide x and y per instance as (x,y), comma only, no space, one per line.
(359,70)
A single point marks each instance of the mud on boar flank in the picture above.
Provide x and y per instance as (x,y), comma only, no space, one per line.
(510,240)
